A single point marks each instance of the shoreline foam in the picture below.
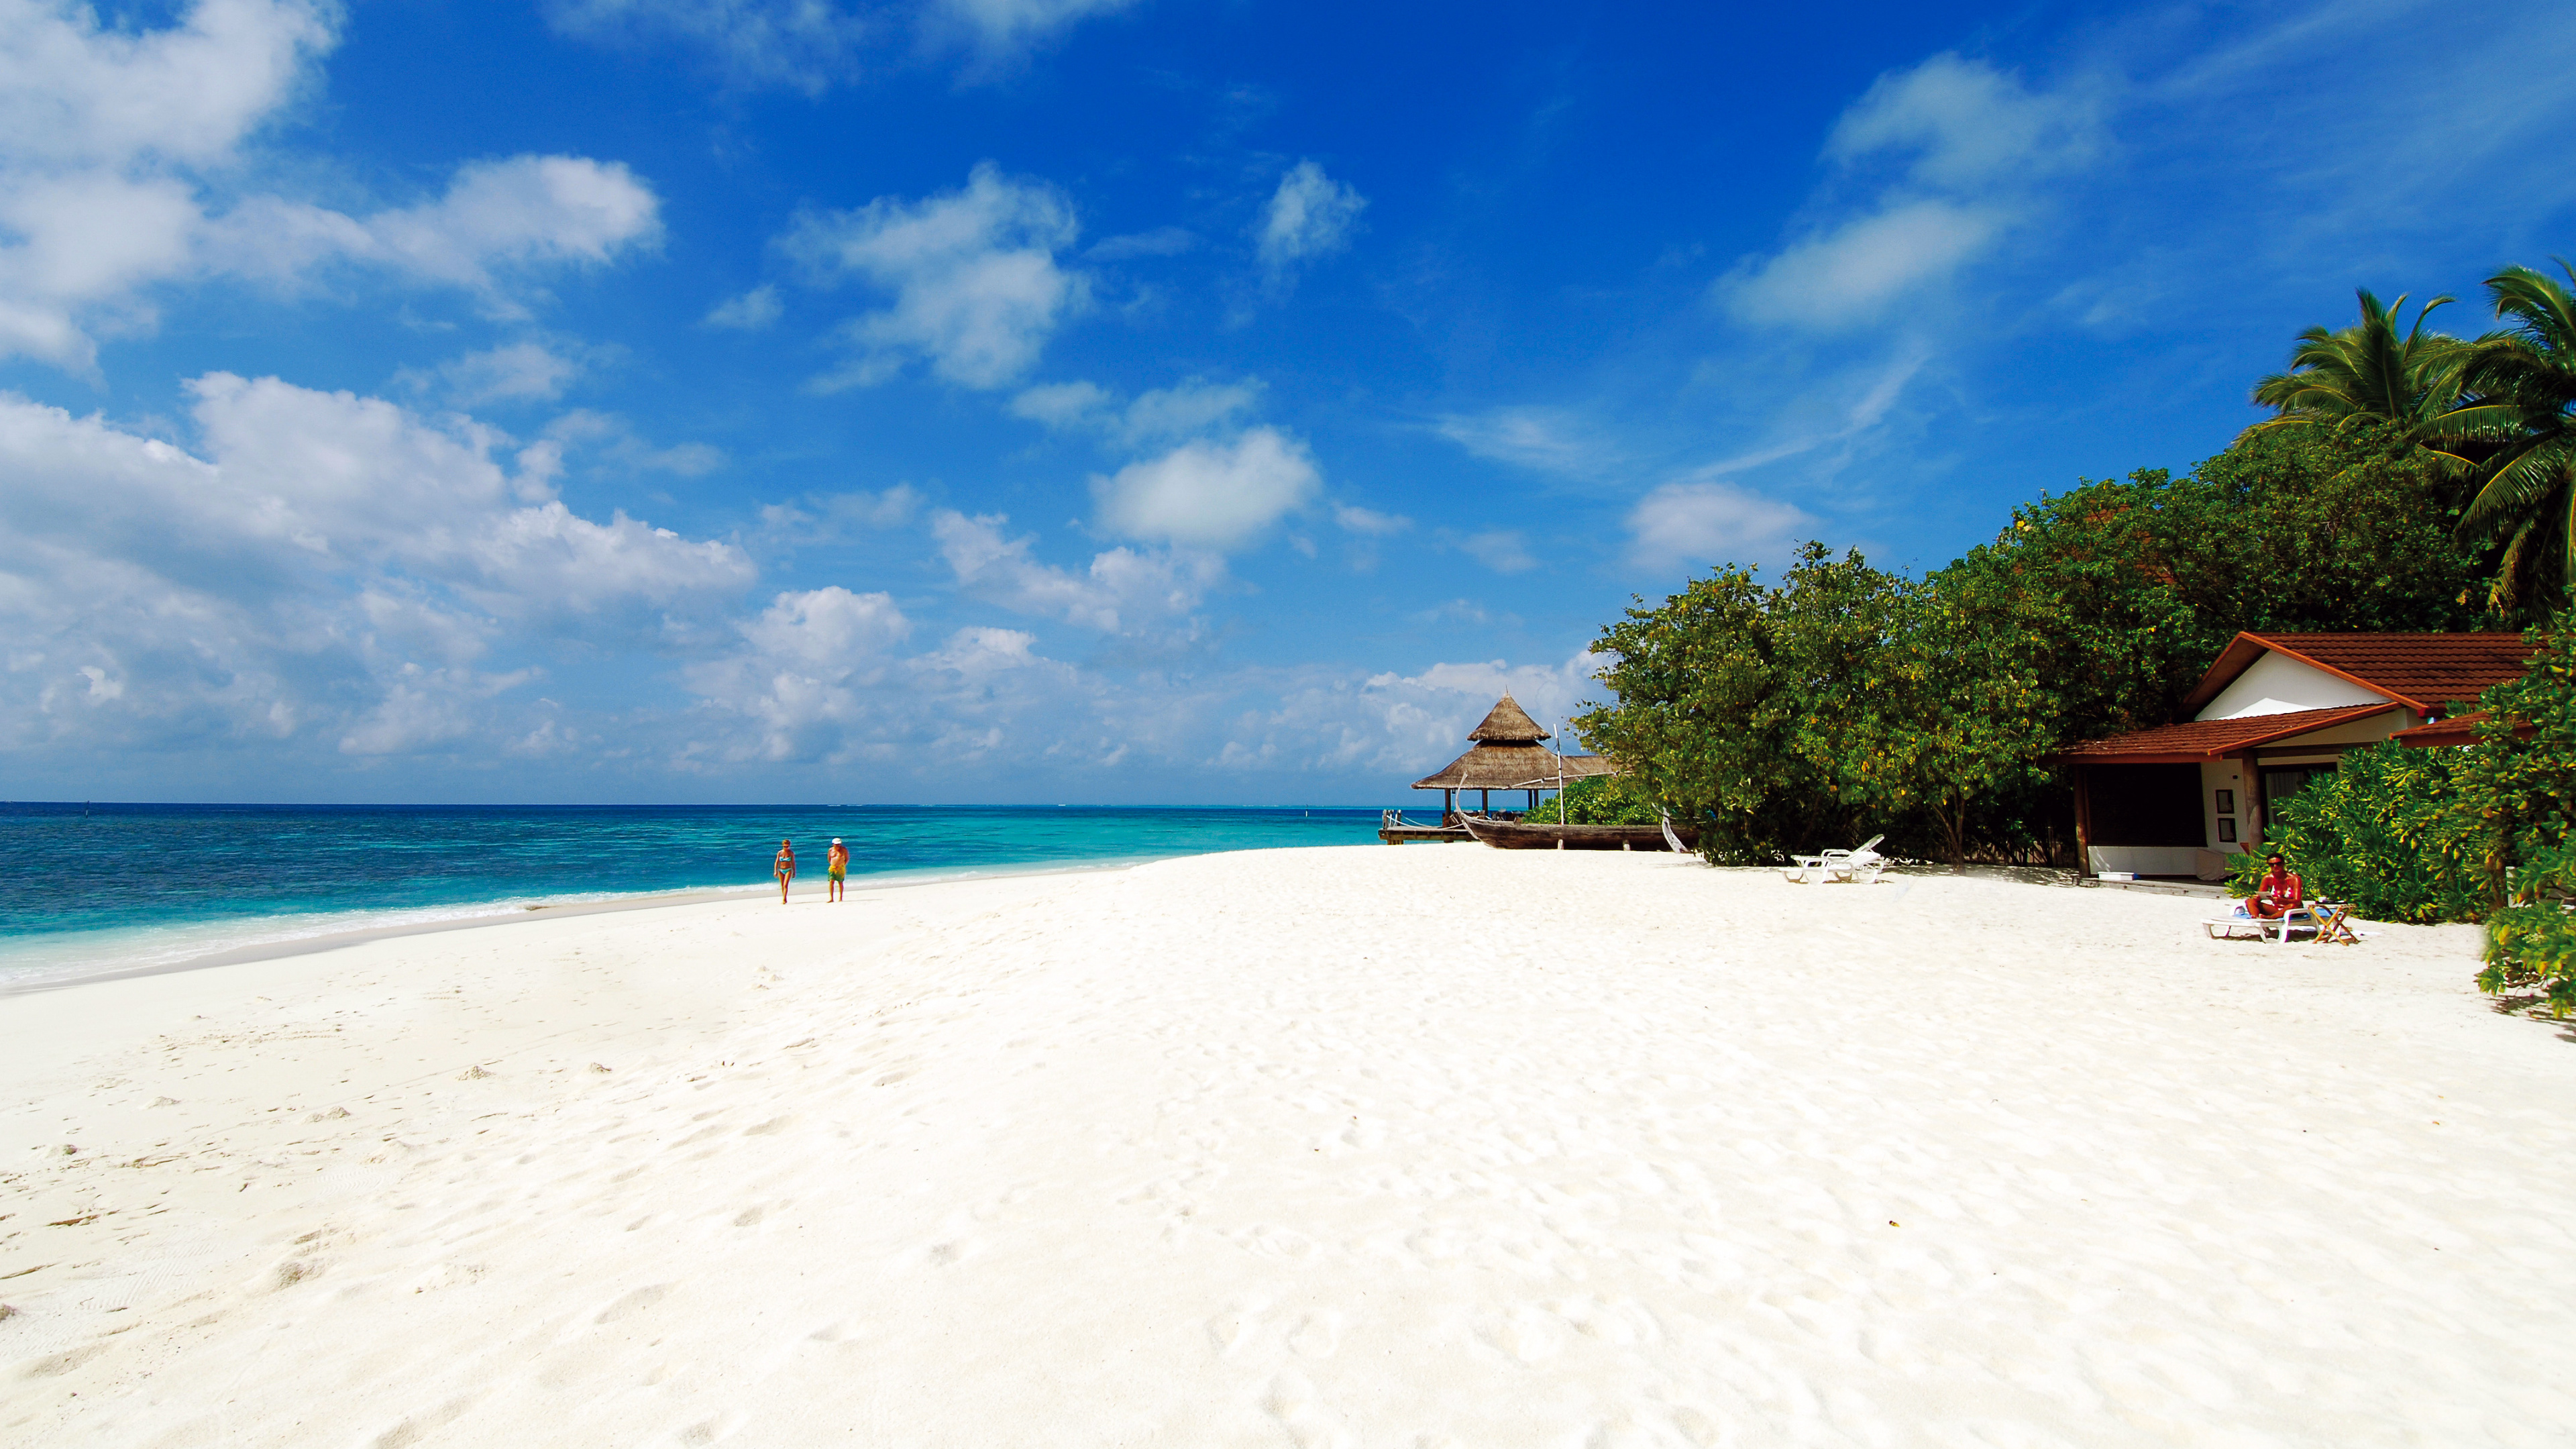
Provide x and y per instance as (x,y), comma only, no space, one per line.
(17,979)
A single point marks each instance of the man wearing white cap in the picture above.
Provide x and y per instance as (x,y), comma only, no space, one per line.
(838,861)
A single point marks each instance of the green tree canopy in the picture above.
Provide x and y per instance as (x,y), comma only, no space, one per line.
(2369,373)
(2519,419)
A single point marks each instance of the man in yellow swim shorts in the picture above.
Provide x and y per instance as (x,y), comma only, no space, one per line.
(838,860)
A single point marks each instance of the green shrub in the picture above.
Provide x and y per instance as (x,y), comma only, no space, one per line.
(2386,833)
(1605,800)
(2533,948)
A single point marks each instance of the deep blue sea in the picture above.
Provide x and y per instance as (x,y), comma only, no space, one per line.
(87,889)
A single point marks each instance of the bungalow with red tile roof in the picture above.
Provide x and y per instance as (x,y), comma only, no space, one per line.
(2275,711)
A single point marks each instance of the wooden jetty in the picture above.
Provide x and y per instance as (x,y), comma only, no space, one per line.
(1394,829)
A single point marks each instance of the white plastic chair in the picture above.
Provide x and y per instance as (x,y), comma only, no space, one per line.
(1859,865)
(2273,929)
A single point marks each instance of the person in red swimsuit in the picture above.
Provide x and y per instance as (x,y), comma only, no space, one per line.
(2279,892)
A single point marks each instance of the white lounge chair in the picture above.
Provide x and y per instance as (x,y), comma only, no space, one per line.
(2275,929)
(1859,865)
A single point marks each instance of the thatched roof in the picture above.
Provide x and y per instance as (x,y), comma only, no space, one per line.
(1577,767)
(1508,756)
(1508,724)
(1493,767)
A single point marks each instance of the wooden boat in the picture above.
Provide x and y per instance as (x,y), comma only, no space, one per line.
(1539,835)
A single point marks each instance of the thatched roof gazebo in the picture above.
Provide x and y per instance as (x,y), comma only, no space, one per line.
(1507,755)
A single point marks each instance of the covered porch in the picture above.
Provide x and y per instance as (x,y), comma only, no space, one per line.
(2176,801)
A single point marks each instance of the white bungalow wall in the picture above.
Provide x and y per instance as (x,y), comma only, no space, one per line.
(2279,684)
(2217,775)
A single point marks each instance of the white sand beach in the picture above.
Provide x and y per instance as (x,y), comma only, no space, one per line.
(1418,1147)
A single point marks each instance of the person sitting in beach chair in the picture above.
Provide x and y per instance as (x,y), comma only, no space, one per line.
(2279,892)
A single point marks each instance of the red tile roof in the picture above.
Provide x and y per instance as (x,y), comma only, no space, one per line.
(2195,740)
(2421,671)
(2459,729)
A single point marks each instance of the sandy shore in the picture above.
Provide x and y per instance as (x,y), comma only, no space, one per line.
(1358,1146)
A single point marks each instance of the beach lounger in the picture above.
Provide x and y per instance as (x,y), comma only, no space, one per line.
(1859,865)
(2278,929)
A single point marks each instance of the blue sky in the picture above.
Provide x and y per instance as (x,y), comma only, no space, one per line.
(1105,400)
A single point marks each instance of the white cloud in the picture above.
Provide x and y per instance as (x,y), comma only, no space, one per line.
(1122,592)
(810,44)
(1010,25)
(327,565)
(1369,521)
(1162,241)
(1062,404)
(1503,550)
(1164,414)
(1210,495)
(977,291)
(827,627)
(834,518)
(1710,523)
(612,441)
(806,44)
(1964,147)
(114,146)
(495,218)
(1549,440)
(1309,216)
(1191,407)
(1852,272)
(75,95)
(521,210)
(750,312)
(1396,726)
(1964,124)
(514,371)
(808,671)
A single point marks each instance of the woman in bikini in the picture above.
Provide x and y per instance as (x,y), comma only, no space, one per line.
(2279,892)
(784,867)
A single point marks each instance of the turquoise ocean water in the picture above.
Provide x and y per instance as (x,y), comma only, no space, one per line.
(86,889)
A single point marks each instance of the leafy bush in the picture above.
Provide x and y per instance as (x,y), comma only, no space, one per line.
(1608,800)
(2533,947)
(2386,832)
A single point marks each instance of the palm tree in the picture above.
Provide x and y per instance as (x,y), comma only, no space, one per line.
(2368,373)
(2519,409)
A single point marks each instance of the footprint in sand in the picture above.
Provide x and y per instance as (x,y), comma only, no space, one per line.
(1318,1336)
(1273,1242)
(709,1431)
(634,1303)
(1697,1427)
(1234,1327)
(1300,1410)
(1525,1333)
